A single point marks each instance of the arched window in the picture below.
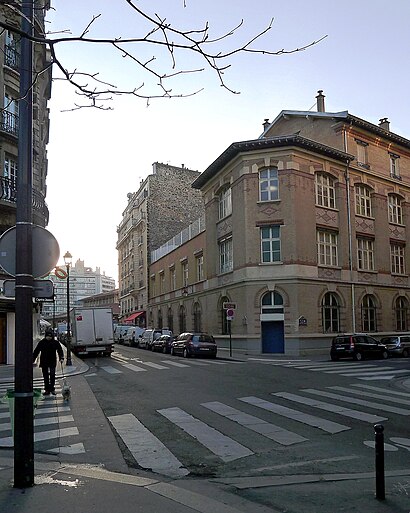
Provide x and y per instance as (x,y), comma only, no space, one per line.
(395,209)
(401,307)
(325,190)
(330,313)
(197,317)
(272,303)
(170,319)
(182,319)
(369,321)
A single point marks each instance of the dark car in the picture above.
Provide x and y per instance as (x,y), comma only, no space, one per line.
(398,345)
(194,344)
(163,344)
(357,346)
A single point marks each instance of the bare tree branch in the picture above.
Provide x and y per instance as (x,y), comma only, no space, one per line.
(162,35)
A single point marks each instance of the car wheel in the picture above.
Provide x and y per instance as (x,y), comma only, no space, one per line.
(358,356)
(405,353)
(185,353)
(385,355)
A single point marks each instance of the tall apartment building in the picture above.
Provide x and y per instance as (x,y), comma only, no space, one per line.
(164,204)
(84,282)
(307,231)
(9,126)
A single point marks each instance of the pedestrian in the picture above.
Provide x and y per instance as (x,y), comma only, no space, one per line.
(49,347)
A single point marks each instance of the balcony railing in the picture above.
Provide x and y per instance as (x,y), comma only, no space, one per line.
(8,193)
(9,123)
(12,57)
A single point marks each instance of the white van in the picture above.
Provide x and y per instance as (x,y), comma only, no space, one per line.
(150,335)
(119,331)
(132,336)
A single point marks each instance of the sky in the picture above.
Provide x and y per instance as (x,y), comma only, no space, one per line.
(98,156)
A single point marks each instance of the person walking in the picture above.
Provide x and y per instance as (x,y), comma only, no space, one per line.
(49,347)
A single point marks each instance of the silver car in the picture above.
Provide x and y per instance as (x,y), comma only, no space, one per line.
(397,345)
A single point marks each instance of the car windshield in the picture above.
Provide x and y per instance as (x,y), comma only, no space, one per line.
(389,340)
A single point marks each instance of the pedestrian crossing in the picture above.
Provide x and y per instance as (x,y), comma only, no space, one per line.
(289,420)
(54,427)
(364,371)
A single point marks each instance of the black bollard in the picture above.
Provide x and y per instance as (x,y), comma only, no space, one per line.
(379,446)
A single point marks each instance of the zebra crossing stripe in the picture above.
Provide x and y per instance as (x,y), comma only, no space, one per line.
(53,409)
(174,364)
(370,394)
(276,433)
(380,389)
(361,369)
(378,373)
(154,365)
(110,369)
(360,402)
(221,445)
(200,364)
(305,418)
(133,367)
(148,451)
(340,410)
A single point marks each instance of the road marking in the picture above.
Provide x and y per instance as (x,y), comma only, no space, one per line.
(276,433)
(148,451)
(175,364)
(54,409)
(360,402)
(388,374)
(110,369)
(305,418)
(154,365)
(55,433)
(192,362)
(221,445)
(69,449)
(133,367)
(370,394)
(381,389)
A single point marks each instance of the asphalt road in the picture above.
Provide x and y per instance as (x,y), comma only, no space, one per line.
(252,418)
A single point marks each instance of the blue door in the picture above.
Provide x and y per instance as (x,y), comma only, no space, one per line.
(273,337)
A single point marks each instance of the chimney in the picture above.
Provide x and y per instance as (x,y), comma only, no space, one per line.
(265,124)
(320,99)
(385,124)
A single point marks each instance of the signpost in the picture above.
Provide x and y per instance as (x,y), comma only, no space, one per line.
(230,314)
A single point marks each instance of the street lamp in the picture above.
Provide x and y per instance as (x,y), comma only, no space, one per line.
(67,260)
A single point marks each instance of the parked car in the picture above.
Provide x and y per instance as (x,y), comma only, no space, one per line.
(131,336)
(150,335)
(119,332)
(194,344)
(162,344)
(357,346)
(397,345)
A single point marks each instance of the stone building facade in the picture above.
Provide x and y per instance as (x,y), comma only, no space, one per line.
(163,205)
(306,232)
(9,134)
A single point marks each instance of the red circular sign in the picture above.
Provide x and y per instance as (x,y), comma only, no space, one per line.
(230,312)
(60,273)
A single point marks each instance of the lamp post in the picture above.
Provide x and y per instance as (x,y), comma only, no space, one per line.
(67,260)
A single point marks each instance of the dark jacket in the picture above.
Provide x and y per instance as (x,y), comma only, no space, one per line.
(48,350)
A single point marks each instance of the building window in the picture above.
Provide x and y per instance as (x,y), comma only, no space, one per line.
(369,314)
(268,184)
(172,279)
(397,258)
(170,319)
(270,244)
(225,255)
(160,319)
(363,201)
(394,166)
(197,318)
(182,319)
(184,268)
(272,303)
(330,313)
(395,209)
(225,203)
(325,191)
(365,254)
(10,115)
(153,290)
(12,51)
(327,248)
(362,154)
(401,308)
(162,283)
(199,268)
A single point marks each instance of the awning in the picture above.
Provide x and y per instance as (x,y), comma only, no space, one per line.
(133,316)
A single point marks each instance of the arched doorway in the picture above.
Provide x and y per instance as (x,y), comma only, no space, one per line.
(272,323)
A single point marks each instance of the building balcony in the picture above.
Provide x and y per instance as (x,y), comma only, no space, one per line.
(8,194)
(9,123)
(12,57)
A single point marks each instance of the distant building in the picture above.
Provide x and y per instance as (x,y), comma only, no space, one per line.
(105,299)
(84,282)
(164,204)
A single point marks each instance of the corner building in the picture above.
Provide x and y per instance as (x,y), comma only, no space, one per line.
(306,231)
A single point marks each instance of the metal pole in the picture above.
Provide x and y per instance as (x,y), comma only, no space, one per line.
(379,446)
(23,378)
(230,338)
(68,361)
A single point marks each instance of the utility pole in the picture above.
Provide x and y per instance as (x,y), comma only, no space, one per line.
(23,397)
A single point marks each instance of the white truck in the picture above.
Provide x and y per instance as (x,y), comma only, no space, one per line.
(92,331)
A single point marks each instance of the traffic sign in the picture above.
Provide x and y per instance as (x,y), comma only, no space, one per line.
(229,306)
(41,288)
(230,312)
